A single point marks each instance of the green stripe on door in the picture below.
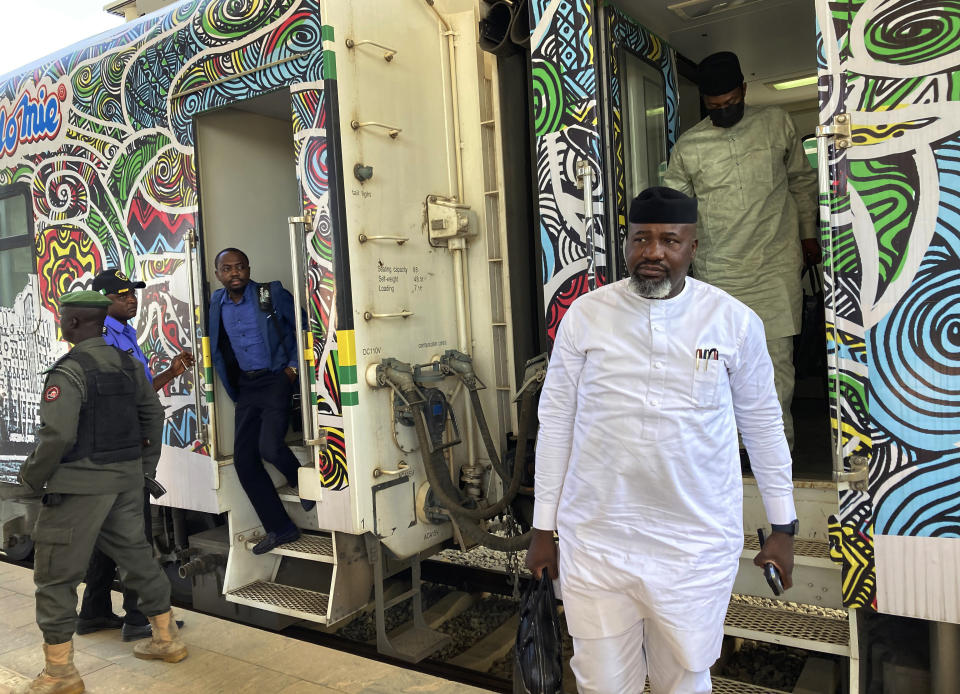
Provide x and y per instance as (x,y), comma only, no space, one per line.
(329,65)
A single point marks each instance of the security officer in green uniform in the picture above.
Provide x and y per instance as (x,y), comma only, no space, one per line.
(100,433)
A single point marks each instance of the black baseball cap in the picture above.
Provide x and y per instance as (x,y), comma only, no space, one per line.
(113,281)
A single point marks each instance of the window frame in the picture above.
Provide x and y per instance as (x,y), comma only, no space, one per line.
(27,240)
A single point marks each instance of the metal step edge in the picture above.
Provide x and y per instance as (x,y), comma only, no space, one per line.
(244,596)
(725,685)
(787,628)
(308,547)
(806,552)
(286,493)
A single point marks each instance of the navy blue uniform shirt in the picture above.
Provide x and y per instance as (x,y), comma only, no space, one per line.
(240,322)
(123,336)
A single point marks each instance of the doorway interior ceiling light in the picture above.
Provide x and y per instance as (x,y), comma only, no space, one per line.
(698,9)
(793,83)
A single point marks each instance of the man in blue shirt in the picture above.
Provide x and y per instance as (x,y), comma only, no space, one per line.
(254,350)
(96,611)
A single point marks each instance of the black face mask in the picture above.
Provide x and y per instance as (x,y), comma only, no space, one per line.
(728,116)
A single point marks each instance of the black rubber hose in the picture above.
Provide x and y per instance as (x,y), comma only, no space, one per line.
(444,489)
(485,435)
(467,519)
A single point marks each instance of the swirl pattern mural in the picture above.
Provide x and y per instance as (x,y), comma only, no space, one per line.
(113,182)
(565,118)
(893,271)
(564,83)
(626,33)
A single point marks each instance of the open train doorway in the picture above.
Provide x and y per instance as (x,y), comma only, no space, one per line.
(776,42)
(248,188)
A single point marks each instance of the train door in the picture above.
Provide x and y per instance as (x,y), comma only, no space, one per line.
(248,189)
(888,160)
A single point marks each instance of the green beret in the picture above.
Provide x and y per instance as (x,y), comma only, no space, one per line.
(84,299)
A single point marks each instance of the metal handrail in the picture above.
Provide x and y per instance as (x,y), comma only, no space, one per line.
(388,53)
(402,313)
(189,246)
(585,181)
(363,238)
(298,251)
(392,131)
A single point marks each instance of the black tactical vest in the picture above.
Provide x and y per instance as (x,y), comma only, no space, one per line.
(109,426)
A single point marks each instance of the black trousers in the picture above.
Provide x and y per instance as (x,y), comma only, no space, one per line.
(261,421)
(99,581)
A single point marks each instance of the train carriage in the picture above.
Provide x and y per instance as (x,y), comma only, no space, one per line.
(436,181)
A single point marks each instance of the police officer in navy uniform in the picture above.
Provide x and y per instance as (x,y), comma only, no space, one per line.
(253,345)
(96,610)
(99,434)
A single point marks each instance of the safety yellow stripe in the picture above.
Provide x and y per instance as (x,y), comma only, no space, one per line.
(346,348)
(207,357)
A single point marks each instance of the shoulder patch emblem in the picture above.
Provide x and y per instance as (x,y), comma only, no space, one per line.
(51,393)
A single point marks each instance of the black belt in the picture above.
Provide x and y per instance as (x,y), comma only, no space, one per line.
(256,373)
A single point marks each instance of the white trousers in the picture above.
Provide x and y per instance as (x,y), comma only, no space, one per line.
(620,664)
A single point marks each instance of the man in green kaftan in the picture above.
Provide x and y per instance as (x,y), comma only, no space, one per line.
(757,198)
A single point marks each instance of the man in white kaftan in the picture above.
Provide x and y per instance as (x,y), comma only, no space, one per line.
(637,465)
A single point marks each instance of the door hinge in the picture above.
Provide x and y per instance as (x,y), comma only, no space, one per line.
(858,476)
(839,129)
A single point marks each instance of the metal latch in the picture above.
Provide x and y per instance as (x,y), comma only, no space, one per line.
(447,219)
(857,477)
(839,129)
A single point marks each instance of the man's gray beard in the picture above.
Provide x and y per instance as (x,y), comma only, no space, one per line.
(651,289)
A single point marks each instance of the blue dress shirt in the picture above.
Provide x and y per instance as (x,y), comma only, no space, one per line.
(240,322)
(123,336)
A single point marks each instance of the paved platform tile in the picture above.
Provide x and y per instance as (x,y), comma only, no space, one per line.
(225,658)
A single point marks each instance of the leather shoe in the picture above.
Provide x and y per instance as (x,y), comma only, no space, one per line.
(274,540)
(135,632)
(306,504)
(88,626)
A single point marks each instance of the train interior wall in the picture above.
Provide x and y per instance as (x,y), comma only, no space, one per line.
(247,211)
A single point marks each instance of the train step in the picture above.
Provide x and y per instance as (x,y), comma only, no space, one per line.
(287,493)
(806,552)
(787,627)
(312,547)
(722,685)
(817,579)
(289,600)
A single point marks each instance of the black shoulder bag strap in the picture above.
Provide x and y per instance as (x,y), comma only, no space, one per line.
(265,300)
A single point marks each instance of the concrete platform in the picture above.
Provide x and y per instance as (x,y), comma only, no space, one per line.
(224,658)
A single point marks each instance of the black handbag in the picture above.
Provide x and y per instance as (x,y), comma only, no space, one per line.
(810,346)
(538,654)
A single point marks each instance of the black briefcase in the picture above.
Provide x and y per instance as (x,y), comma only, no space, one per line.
(538,654)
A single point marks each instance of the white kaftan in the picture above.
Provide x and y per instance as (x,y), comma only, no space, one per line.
(638,467)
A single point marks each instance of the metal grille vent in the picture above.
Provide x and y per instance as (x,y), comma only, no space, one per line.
(287,597)
(790,625)
(311,544)
(721,685)
(806,548)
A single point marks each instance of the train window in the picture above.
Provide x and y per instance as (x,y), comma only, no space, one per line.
(16,241)
(644,126)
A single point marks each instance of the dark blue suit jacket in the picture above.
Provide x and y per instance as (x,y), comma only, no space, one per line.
(273,328)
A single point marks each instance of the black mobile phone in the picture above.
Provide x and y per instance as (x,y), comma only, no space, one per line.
(770,571)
